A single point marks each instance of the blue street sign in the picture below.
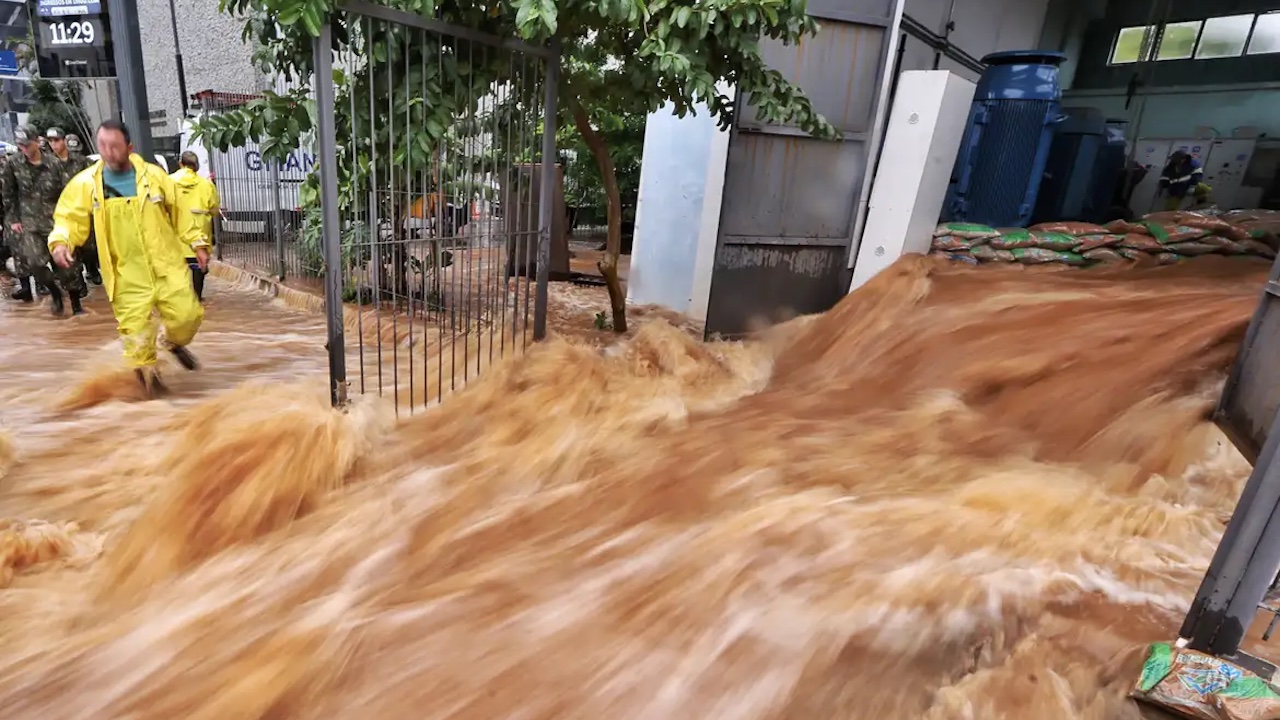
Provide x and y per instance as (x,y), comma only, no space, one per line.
(8,62)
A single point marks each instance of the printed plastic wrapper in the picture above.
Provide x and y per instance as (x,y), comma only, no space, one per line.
(1253,247)
(955,242)
(1137,256)
(1124,227)
(983,253)
(1224,245)
(1204,687)
(962,256)
(1061,242)
(1070,228)
(967,230)
(1170,234)
(1094,242)
(1038,256)
(1195,248)
(1013,239)
(1168,258)
(1103,255)
(1146,243)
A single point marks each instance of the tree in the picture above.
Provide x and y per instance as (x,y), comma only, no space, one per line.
(620,57)
(624,134)
(57,104)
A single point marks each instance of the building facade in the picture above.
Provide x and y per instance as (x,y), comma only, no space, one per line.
(214,58)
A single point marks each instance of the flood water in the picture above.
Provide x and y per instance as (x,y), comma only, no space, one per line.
(960,494)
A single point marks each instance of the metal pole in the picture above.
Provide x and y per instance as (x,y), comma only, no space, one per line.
(277,218)
(546,193)
(131,76)
(322,49)
(177,58)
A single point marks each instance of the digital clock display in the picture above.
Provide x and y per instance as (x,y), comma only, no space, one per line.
(71,32)
(73,38)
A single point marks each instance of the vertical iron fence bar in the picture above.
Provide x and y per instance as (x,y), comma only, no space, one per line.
(546,196)
(277,218)
(397,220)
(322,50)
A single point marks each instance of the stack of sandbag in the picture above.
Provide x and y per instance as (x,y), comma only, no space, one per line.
(1163,238)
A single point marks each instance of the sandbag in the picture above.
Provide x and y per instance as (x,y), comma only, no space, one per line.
(1039,256)
(983,253)
(1094,242)
(961,256)
(1225,245)
(1204,687)
(955,242)
(1146,243)
(1169,234)
(1069,228)
(1256,248)
(1168,258)
(1194,248)
(1013,239)
(968,230)
(1061,242)
(1124,227)
(1105,255)
(1137,256)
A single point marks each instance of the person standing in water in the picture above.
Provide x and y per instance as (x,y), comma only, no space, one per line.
(197,204)
(32,180)
(133,206)
(60,144)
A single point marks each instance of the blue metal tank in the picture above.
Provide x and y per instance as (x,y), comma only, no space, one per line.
(1006,141)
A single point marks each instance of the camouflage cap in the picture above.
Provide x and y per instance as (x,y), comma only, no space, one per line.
(54,133)
(23,136)
(73,142)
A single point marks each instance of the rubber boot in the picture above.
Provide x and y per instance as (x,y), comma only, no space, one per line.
(56,306)
(23,292)
(184,357)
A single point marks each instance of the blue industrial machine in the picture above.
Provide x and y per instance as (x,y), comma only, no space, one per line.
(1070,174)
(1006,141)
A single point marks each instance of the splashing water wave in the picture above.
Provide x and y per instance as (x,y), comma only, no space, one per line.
(959,494)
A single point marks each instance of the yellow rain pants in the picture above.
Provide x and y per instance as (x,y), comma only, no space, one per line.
(139,289)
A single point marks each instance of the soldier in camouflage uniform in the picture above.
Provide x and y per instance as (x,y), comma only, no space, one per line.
(30,183)
(67,148)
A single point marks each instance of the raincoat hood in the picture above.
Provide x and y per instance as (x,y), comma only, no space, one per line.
(186,177)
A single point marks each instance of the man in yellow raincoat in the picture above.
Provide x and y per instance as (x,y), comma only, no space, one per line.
(134,210)
(197,206)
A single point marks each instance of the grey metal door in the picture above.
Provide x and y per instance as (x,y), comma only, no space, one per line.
(787,218)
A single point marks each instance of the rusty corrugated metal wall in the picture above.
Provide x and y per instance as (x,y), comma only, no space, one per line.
(787,219)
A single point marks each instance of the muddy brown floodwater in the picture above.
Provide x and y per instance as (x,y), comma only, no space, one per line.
(960,494)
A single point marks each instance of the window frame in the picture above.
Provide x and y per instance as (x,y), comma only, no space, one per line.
(1151,49)
(1253,22)
(1195,43)
(1253,30)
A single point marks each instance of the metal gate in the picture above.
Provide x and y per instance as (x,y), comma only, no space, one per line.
(790,201)
(431,138)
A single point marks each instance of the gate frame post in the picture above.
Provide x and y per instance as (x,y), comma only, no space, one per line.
(331,232)
(546,191)
(277,219)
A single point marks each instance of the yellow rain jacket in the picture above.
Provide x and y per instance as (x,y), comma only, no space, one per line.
(197,205)
(143,258)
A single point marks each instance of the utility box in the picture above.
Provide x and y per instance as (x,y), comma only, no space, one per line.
(520,198)
(923,134)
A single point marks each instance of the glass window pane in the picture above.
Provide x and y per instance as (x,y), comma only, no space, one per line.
(1266,35)
(1129,45)
(1179,41)
(1224,37)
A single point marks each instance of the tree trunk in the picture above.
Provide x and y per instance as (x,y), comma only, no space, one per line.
(613,246)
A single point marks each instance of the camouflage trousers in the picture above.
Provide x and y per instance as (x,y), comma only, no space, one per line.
(31,255)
